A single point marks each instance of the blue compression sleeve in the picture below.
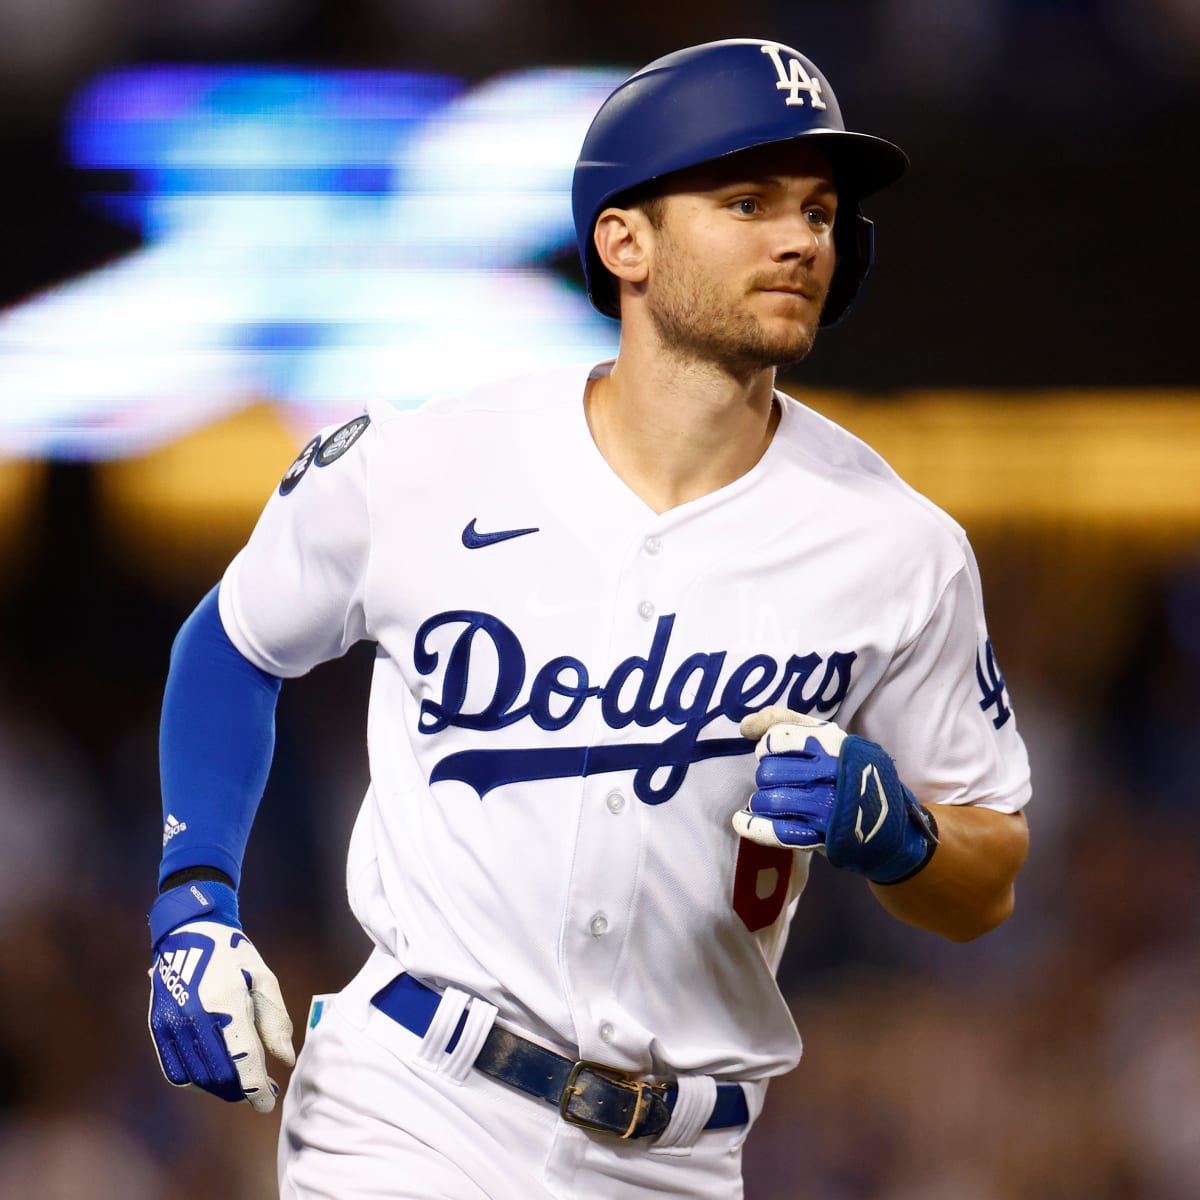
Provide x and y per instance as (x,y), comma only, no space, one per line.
(215,745)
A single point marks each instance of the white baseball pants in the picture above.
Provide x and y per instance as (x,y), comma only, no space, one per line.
(370,1112)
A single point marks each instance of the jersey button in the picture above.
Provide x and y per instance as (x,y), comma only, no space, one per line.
(607,1032)
(653,545)
(645,610)
(598,925)
(615,802)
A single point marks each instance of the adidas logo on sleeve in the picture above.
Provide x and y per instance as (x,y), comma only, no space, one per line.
(172,827)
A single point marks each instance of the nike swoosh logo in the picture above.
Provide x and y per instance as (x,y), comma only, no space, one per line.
(473,539)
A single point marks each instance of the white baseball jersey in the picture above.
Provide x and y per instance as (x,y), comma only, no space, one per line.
(553,739)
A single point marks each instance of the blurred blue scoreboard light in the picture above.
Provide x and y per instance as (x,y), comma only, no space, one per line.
(310,238)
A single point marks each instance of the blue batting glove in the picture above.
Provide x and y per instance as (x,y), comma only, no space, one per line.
(820,788)
(215,1008)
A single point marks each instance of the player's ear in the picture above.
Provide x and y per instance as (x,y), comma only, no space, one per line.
(622,237)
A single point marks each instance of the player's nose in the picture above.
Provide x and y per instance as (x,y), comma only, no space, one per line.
(796,237)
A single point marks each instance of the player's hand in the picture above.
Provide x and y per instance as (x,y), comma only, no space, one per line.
(215,1007)
(820,788)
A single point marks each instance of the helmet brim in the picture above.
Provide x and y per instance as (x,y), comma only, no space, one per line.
(862,164)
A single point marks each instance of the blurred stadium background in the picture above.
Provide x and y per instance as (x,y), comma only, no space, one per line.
(229,221)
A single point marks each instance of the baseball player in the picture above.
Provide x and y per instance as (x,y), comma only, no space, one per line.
(649,634)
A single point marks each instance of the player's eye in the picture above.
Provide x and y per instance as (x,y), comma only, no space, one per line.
(746,206)
(819,216)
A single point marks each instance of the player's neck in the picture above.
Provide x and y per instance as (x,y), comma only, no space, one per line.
(675,431)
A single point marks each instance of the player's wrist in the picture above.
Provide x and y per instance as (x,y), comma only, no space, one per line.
(926,828)
(195,875)
(193,901)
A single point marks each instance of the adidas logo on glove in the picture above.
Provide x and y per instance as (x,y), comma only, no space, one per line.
(176,968)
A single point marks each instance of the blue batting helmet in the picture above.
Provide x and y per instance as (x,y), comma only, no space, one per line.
(708,101)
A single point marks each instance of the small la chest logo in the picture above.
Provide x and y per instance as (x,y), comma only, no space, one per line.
(793,76)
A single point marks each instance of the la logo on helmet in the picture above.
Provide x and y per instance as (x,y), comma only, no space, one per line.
(793,78)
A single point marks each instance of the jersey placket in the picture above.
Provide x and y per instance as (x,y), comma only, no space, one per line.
(605,880)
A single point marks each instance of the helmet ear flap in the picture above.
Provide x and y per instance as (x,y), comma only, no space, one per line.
(854,240)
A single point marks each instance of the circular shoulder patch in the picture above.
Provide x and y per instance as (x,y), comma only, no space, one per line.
(338,442)
(296,471)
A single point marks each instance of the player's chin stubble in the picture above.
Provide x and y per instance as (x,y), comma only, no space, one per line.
(695,322)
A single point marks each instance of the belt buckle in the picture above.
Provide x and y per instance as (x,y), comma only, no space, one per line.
(622,1079)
